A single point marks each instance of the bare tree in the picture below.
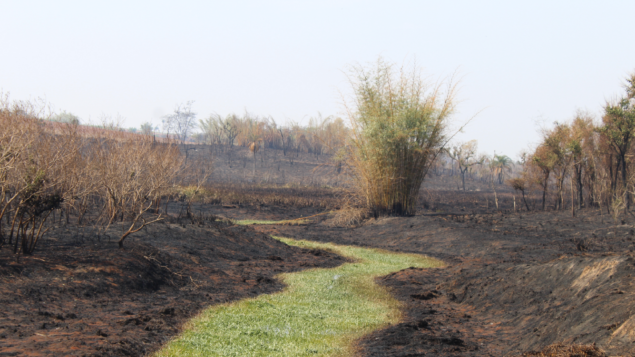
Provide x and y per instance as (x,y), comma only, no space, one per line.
(211,127)
(231,128)
(133,173)
(36,160)
(465,156)
(181,122)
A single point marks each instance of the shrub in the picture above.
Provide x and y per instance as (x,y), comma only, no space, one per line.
(399,126)
(47,165)
(133,172)
(36,161)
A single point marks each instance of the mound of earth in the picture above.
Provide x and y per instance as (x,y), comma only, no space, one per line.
(574,299)
(514,283)
(80,296)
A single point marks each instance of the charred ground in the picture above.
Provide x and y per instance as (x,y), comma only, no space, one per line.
(82,295)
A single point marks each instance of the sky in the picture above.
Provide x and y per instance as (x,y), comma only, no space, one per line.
(522,65)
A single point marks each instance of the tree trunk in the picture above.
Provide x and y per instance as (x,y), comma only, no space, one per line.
(524,200)
(624,183)
(463,171)
(545,186)
(578,172)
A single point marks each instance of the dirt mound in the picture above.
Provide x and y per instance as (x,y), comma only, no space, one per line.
(432,325)
(561,301)
(93,299)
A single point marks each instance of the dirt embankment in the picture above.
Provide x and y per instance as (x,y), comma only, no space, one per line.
(85,297)
(514,283)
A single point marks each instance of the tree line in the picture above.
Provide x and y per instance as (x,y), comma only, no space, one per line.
(585,162)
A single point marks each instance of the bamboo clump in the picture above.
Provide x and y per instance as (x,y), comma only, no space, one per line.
(399,127)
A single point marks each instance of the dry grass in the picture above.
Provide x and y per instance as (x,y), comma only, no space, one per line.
(349,216)
(270,195)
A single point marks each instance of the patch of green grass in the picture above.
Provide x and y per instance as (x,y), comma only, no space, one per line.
(321,312)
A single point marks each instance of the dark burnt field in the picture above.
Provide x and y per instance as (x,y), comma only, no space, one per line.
(516,281)
(80,295)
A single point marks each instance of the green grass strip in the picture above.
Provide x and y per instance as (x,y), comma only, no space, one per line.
(320,313)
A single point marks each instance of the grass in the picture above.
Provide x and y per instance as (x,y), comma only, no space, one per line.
(296,221)
(320,313)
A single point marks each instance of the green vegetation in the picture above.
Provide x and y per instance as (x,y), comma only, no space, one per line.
(399,127)
(321,312)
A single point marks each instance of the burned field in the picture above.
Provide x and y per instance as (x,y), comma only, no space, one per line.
(82,295)
(516,282)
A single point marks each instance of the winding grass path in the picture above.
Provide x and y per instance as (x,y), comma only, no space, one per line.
(320,313)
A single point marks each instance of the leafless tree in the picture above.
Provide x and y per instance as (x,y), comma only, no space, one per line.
(231,128)
(181,121)
(465,156)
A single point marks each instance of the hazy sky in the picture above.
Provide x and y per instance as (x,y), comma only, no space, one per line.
(520,62)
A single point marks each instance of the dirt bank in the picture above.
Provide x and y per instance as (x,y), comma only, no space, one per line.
(81,295)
